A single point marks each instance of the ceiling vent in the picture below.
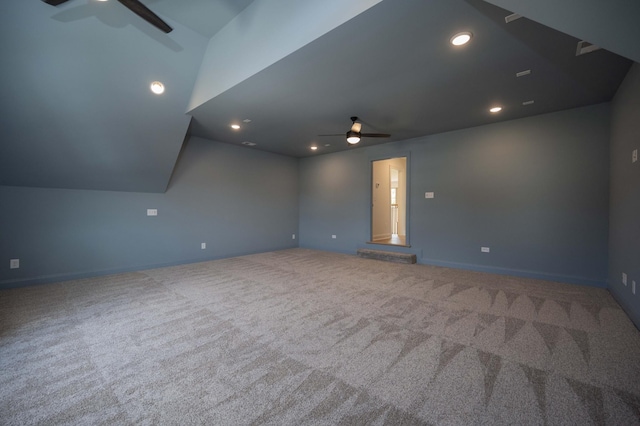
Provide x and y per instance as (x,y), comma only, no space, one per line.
(512,17)
(585,47)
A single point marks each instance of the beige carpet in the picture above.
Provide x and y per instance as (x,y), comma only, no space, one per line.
(301,337)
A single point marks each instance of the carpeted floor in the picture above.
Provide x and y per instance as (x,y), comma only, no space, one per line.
(304,337)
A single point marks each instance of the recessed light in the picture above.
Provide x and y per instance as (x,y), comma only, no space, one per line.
(527,102)
(246,120)
(461,38)
(495,109)
(247,143)
(313,148)
(327,144)
(523,73)
(157,88)
(235,126)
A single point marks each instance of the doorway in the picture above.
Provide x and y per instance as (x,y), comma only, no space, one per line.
(389,202)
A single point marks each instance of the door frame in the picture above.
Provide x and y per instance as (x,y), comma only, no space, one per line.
(400,154)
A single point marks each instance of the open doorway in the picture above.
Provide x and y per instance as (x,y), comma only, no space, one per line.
(389,202)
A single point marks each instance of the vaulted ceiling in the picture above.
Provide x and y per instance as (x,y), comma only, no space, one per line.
(77,111)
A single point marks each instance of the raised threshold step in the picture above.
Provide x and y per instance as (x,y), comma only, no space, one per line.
(389,256)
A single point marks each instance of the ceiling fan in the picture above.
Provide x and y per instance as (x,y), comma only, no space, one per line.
(354,134)
(136,7)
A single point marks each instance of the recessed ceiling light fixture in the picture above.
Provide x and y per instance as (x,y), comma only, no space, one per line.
(495,109)
(235,126)
(525,103)
(461,38)
(313,148)
(157,88)
(246,120)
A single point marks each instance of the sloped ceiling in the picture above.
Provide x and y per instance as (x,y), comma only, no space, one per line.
(393,67)
(77,111)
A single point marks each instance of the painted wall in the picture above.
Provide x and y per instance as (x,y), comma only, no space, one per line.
(534,190)
(624,213)
(235,199)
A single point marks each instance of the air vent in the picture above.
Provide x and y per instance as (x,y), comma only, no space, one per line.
(585,47)
(512,17)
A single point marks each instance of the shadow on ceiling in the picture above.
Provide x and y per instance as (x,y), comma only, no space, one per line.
(115,15)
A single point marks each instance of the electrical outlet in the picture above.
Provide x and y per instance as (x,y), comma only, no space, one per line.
(14,263)
(485,249)
(634,156)
(203,246)
(293,236)
(334,237)
(152,212)
(624,278)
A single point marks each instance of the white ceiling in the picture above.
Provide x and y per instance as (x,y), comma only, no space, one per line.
(206,17)
(393,67)
(77,112)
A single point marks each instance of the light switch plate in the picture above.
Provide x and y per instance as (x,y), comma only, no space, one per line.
(485,249)
(624,278)
(429,195)
(634,156)
(203,246)
(152,212)
(14,263)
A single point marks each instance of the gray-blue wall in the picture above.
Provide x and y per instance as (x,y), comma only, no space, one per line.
(235,199)
(624,220)
(534,190)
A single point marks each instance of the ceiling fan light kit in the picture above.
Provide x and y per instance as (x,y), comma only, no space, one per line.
(352,137)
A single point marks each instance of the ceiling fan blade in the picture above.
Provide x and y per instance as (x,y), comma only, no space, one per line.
(142,11)
(356,127)
(55,2)
(375,135)
(334,134)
